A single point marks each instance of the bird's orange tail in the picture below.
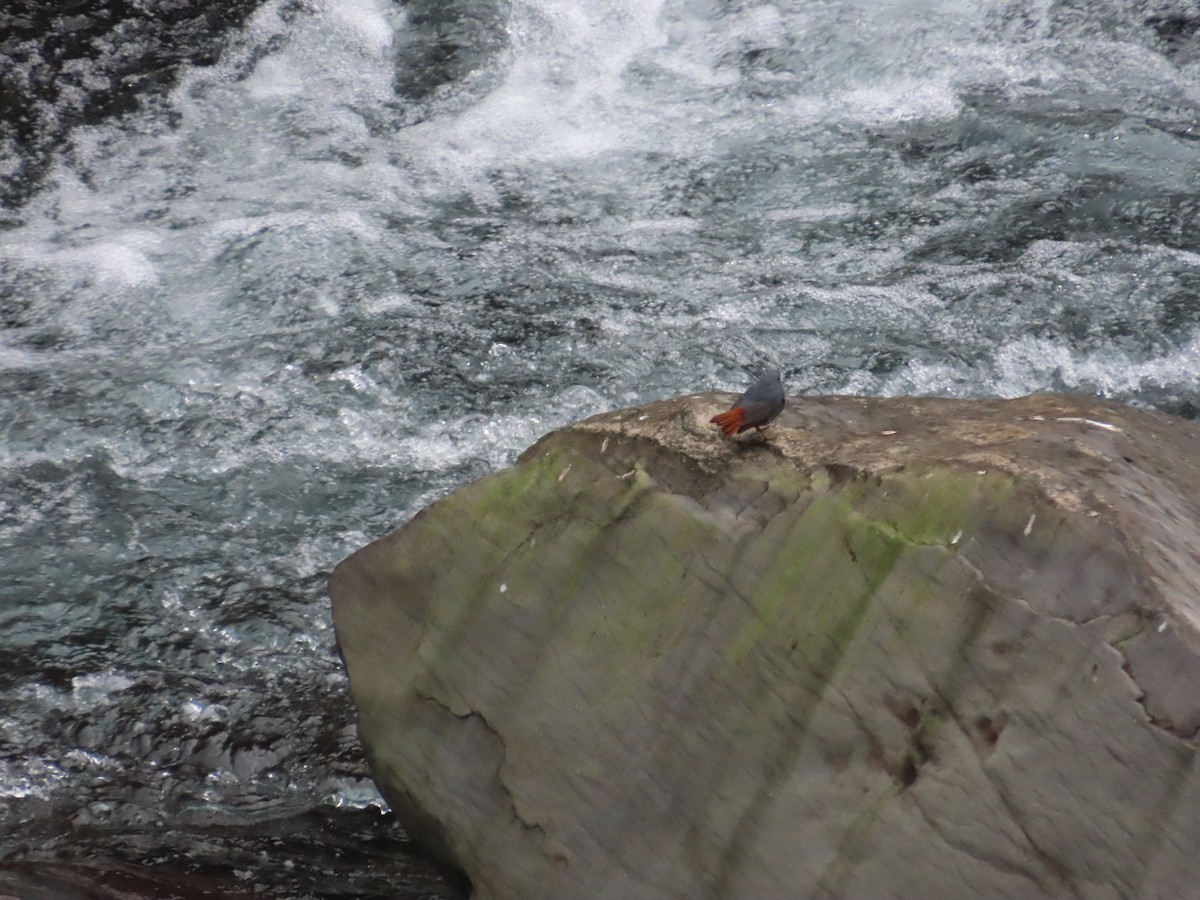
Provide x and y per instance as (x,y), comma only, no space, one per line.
(730,421)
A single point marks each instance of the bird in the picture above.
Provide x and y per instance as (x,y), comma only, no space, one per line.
(761,403)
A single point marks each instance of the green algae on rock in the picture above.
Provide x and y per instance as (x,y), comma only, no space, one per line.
(890,647)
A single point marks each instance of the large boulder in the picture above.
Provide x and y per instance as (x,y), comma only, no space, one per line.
(885,648)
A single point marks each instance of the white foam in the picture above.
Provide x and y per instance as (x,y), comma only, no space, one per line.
(560,100)
(275,78)
(89,690)
(898,100)
(115,262)
(200,710)
(353,793)
(15,359)
(918,379)
(380,304)
(33,777)
(120,259)
(365,23)
(1029,364)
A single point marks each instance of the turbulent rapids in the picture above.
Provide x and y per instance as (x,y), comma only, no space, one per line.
(273,278)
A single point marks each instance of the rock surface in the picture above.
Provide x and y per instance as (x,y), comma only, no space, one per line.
(887,648)
(83,61)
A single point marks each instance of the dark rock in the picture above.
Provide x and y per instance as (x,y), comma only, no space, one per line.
(82,61)
(889,647)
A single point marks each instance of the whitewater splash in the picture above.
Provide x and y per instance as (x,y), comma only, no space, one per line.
(376,250)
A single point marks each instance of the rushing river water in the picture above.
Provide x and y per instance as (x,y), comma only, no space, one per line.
(357,253)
